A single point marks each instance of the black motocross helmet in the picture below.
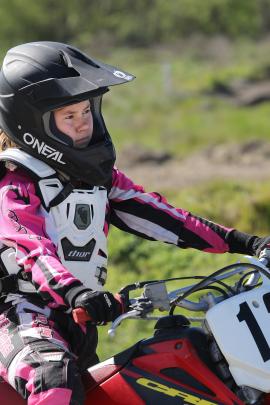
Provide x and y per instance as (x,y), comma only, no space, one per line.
(39,77)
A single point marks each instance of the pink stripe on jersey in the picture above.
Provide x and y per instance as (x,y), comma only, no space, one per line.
(25,371)
(121,181)
(59,396)
(106,229)
(206,233)
(124,189)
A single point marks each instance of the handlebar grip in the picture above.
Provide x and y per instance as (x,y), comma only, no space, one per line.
(264,261)
(80,315)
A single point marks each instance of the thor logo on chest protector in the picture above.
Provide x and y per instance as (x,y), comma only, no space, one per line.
(77,253)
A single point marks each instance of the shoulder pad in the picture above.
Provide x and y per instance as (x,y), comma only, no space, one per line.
(28,162)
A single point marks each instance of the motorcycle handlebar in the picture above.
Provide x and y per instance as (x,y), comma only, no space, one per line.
(264,261)
(134,314)
(81,316)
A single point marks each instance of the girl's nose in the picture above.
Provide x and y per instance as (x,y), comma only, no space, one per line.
(83,124)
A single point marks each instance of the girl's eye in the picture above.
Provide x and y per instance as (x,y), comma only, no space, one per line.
(86,111)
(68,117)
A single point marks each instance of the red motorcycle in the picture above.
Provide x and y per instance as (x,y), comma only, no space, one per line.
(226,360)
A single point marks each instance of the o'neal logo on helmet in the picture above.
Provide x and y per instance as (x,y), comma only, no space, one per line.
(122,75)
(42,148)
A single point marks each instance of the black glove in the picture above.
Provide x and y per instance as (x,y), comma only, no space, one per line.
(263,250)
(102,306)
(262,244)
(240,242)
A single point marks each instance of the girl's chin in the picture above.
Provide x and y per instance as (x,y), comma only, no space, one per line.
(82,143)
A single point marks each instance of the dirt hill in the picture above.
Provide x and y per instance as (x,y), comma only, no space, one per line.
(158,171)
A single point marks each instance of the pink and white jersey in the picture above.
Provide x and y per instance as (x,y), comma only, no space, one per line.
(29,226)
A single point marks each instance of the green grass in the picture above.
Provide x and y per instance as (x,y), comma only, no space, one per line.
(183,126)
(183,118)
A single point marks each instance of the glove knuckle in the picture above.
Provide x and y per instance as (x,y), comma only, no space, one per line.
(102,306)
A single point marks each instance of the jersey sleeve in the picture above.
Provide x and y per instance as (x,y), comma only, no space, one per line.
(23,227)
(150,216)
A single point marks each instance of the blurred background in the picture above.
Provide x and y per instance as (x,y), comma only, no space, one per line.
(194,125)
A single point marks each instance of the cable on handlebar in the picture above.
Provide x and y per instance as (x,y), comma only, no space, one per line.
(202,284)
(240,282)
(225,286)
(210,287)
(141,284)
(215,288)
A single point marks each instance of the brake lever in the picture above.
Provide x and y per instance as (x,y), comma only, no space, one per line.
(263,264)
(139,309)
(134,314)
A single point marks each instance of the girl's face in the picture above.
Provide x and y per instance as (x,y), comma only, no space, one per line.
(76,121)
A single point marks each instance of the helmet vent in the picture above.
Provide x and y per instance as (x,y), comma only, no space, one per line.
(82,57)
(65,59)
